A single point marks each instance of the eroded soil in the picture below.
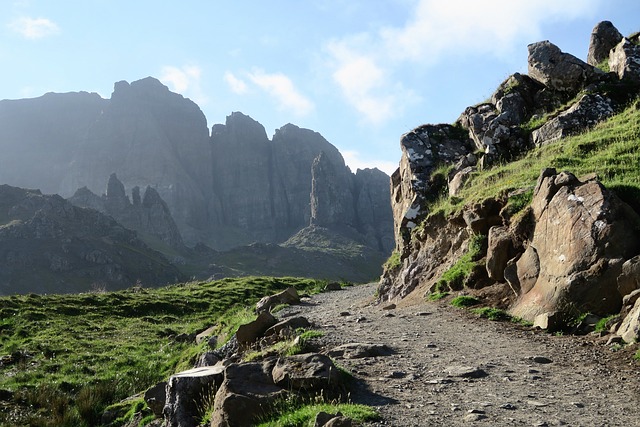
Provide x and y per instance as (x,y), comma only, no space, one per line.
(451,368)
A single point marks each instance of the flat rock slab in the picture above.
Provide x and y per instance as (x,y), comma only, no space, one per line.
(465,372)
(360,350)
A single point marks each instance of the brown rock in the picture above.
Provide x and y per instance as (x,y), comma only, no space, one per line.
(185,390)
(156,397)
(629,329)
(245,394)
(500,249)
(288,296)
(309,372)
(291,324)
(581,232)
(629,279)
(249,333)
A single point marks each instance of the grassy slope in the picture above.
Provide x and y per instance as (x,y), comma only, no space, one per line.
(611,150)
(106,346)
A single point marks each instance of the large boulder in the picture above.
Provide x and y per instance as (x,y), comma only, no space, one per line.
(185,390)
(624,60)
(245,394)
(629,279)
(306,372)
(249,333)
(557,70)
(499,251)
(288,296)
(584,114)
(604,37)
(582,234)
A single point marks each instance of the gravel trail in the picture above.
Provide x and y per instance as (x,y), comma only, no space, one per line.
(451,368)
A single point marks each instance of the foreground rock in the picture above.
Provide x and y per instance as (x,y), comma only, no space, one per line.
(582,235)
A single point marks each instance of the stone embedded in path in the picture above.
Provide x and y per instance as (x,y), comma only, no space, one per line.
(360,350)
(541,359)
(465,372)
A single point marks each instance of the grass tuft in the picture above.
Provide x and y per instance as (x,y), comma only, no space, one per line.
(491,313)
(464,301)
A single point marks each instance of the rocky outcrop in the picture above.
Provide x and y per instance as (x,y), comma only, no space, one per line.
(149,216)
(624,60)
(45,236)
(604,37)
(557,70)
(587,112)
(572,251)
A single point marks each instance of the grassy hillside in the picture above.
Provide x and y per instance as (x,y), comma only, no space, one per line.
(64,358)
(611,150)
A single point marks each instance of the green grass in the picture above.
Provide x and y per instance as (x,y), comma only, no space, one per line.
(637,355)
(83,352)
(455,276)
(393,261)
(601,325)
(610,150)
(436,296)
(296,416)
(464,301)
(491,313)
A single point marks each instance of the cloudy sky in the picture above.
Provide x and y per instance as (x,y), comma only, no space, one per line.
(360,72)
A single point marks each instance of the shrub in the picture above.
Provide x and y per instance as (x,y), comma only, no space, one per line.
(435,296)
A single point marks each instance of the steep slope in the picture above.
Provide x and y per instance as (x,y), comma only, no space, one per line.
(539,235)
(49,245)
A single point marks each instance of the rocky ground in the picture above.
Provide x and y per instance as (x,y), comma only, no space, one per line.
(450,367)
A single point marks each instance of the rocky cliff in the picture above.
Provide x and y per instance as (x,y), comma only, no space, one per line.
(228,187)
(148,215)
(469,215)
(49,245)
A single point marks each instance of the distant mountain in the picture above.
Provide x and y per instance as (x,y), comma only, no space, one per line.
(49,245)
(226,188)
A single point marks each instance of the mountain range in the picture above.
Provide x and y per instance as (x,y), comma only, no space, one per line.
(222,188)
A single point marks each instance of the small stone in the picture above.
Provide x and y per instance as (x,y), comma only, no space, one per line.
(541,359)
(536,403)
(508,406)
(431,345)
(389,315)
(465,372)
(423,313)
(475,411)
(615,339)
(389,306)
(345,313)
(469,418)
(578,404)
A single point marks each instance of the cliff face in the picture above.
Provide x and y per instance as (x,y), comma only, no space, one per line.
(564,252)
(226,188)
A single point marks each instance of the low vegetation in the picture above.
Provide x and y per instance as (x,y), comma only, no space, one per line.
(464,301)
(65,358)
(610,150)
(455,276)
(491,313)
(295,414)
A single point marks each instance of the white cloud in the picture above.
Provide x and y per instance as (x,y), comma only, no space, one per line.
(354,160)
(282,89)
(185,80)
(34,28)
(366,66)
(237,85)
(495,26)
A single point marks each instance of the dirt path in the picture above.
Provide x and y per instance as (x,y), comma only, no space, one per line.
(451,368)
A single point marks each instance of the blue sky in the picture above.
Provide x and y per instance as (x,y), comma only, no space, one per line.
(360,72)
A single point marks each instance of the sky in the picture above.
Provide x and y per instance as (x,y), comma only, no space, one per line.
(360,72)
